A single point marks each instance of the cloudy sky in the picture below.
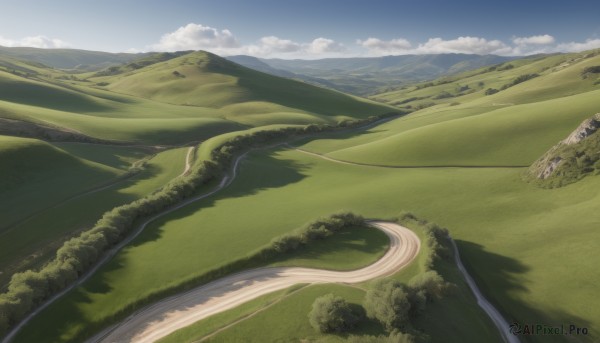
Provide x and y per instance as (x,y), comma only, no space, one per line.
(305,28)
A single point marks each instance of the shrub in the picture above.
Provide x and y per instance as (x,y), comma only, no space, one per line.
(590,70)
(394,337)
(491,91)
(519,79)
(332,314)
(430,284)
(387,301)
(443,95)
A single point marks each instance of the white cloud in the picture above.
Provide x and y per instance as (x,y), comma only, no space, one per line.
(271,44)
(463,45)
(534,40)
(576,47)
(381,47)
(196,37)
(324,45)
(35,42)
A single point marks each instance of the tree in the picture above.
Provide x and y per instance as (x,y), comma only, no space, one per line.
(331,314)
(387,301)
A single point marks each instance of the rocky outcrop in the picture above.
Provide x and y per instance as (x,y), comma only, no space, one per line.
(588,127)
(551,161)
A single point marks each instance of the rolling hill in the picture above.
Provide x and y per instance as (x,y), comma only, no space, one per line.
(82,60)
(458,159)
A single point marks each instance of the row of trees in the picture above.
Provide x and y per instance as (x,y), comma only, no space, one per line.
(29,289)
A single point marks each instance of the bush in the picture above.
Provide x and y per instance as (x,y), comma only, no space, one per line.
(387,301)
(394,337)
(443,95)
(491,91)
(519,79)
(332,314)
(590,70)
(430,283)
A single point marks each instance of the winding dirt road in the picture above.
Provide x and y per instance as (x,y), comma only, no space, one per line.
(171,314)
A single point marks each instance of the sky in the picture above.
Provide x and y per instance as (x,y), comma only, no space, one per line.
(306,29)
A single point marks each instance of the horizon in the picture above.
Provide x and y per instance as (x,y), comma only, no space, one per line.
(307,29)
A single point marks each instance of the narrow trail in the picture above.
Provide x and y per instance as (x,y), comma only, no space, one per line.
(499,321)
(176,312)
(188,160)
(331,159)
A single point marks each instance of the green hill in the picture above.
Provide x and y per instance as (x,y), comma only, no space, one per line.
(35,175)
(168,99)
(244,95)
(512,127)
(68,58)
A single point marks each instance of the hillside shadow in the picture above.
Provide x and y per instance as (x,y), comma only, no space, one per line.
(276,174)
(504,281)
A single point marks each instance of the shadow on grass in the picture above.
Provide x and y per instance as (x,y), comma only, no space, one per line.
(267,173)
(503,282)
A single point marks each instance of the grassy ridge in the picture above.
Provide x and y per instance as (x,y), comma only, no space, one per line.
(30,243)
(511,136)
(31,167)
(205,80)
(183,99)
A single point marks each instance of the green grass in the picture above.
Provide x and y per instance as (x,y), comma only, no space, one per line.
(514,257)
(527,247)
(30,243)
(31,168)
(150,105)
(510,136)
(454,318)
(351,248)
(218,321)
(113,156)
(213,82)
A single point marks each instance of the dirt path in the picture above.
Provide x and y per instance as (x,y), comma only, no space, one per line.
(331,159)
(188,160)
(166,316)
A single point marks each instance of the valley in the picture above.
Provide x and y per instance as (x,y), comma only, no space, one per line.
(132,182)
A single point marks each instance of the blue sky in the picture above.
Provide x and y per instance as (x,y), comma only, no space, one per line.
(305,29)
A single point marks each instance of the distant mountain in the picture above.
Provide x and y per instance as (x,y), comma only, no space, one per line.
(257,64)
(367,75)
(70,58)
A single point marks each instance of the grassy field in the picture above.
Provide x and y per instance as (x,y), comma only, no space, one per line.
(32,167)
(507,230)
(510,255)
(31,242)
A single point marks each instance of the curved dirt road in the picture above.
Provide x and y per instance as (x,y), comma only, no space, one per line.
(171,314)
